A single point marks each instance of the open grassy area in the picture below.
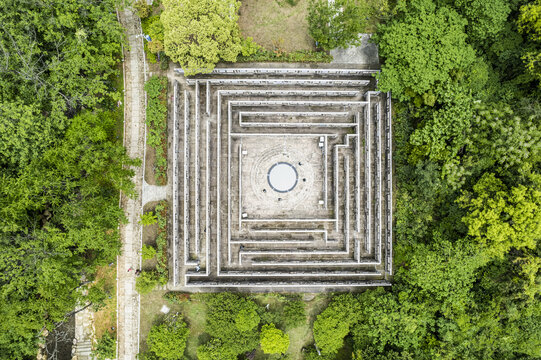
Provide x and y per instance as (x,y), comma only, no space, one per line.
(105,318)
(194,313)
(276,24)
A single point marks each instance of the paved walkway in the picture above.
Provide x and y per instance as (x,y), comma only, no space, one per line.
(134,140)
(154,192)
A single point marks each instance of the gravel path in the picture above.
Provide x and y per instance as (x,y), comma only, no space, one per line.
(134,140)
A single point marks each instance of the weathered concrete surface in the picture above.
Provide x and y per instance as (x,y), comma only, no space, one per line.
(366,54)
(154,193)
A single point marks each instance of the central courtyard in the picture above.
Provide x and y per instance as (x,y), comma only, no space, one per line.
(282,180)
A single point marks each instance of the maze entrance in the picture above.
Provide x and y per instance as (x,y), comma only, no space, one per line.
(282,179)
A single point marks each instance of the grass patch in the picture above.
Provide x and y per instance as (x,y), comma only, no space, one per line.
(105,318)
(193,309)
(276,24)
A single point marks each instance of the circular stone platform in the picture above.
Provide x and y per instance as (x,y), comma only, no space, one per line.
(282,177)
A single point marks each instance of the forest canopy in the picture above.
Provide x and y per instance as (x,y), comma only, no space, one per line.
(61,162)
(467,125)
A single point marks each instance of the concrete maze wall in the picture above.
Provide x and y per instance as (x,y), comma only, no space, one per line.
(282,180)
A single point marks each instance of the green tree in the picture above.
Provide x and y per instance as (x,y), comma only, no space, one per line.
(168,340)
(529,22)
(334,323)
(273,340)
(247,319)
(58,220)
(423,48)
(444,130)
(233,320)
(200,33)
(337,23)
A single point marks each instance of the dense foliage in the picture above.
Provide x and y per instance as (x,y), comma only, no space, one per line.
(200,33)
(167,340)
(232,322)
(61,162)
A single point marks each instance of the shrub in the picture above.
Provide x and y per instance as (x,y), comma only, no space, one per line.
(164,61)
(161,243)
(176,298)
(148,252)
(263,55)
(215,350)
(249,47)
(146,282)
(105,347)
(148,219)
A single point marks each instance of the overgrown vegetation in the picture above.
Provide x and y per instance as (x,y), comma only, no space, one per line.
(156,120)
(105,348)
(278,55)
(149,279)
(161,242)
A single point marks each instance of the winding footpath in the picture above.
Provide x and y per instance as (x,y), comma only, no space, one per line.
(134,141)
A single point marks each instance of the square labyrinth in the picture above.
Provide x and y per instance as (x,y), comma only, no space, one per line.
(282,179)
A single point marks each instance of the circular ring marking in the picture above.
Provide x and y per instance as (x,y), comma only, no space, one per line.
(282,177)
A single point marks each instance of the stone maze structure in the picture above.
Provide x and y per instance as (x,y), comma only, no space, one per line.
(282,179)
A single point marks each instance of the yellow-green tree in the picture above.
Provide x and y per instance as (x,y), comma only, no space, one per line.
(200,33)
(530,24)
(273,340)
(502,217)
